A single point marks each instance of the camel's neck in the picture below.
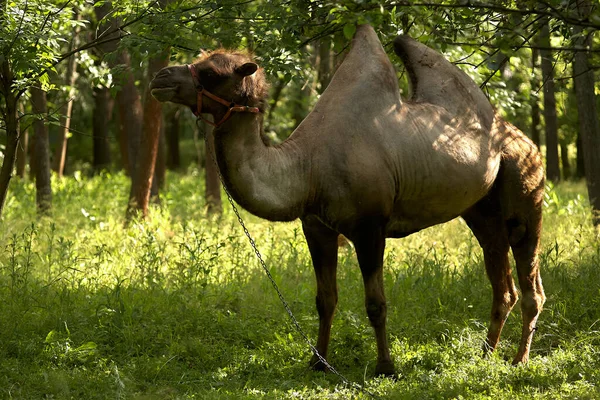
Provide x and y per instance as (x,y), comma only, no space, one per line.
(269,181)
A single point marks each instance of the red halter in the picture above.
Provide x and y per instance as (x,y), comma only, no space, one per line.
(201,92)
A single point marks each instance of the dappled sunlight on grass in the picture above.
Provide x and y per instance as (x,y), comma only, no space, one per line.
(178,306)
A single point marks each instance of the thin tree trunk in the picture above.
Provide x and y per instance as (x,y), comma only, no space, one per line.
(564,161)
(31,155)
(275,99)
(325,64)
(130,116)
(589,123)
(171,118)
(42,151)
(199,145)
(102,100)
(580,170)
(128,99)
(158,180)
(22,149)
(100,120)
(143,172)
(213,185)
(550,119)
(161,159)
(60,155)
(535,101)
(300,96)
(122,139)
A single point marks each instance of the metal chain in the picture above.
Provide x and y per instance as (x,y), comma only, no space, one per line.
(273,283)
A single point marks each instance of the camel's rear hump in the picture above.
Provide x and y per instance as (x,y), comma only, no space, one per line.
(435,80)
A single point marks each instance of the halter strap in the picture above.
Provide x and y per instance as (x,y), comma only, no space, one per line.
(201,92)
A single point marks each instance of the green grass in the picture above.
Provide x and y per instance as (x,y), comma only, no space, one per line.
(178,307)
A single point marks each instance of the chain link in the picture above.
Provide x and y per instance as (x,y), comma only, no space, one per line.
(273,283)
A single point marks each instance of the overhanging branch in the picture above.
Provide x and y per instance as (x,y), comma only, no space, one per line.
(552,12)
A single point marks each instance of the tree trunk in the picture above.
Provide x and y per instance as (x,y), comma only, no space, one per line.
(161,160)
(325,63)
(130,116)
(212,182)
(535,101)
(300,95)
(22,149)
(128,99)
(100,120)
(143,173)
(158,180)
(102,99)
(580,170)
(122,139)
(279,86)
(550,119)
(12,136)
(564,161)
(60,155)
(171,134)
(42,151)
(589,124)
(31,155)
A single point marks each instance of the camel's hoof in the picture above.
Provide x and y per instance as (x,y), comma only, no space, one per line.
(385,368)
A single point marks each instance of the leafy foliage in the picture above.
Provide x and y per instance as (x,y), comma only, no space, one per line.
(32,35)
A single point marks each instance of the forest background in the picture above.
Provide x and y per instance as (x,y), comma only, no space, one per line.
(106,295)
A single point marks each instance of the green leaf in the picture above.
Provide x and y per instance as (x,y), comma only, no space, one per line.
(349,31)
(51,336)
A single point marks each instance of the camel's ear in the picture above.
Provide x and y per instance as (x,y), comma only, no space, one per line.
(247,69)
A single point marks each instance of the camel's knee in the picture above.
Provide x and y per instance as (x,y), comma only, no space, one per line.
(532,303)
(376,311)
(511,297)
(505,304)
(531,287)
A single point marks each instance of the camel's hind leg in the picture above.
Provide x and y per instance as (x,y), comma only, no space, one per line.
(525,250)
(486,222)
(522,205)
(520,185)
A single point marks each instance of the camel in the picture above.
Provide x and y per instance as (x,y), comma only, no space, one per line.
(370,166)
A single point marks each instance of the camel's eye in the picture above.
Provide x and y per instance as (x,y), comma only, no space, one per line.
(210,76)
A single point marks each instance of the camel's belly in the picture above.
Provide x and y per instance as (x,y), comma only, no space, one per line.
(401,226)
(438,201)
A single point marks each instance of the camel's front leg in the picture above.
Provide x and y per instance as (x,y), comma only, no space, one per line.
(370,244)
(323,246)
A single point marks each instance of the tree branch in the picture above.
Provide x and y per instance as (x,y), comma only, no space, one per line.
(12,43)
(495,7)
(50,13)
(574,49)
(95,42)
(505,59)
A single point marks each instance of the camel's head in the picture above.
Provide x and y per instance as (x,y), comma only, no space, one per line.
(230,75)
